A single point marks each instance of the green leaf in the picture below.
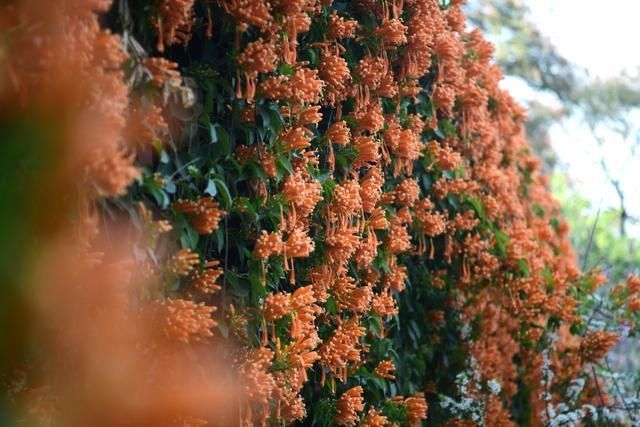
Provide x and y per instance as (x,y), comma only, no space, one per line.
(524,267)
(501,241)
(164,157)
(211,188)
(213,133)
(224,191)
(224,139)
(286,69)
(284,164)
(224,329)
(477,207)
(258,291)
(447,127)
(330,306)
(190,237)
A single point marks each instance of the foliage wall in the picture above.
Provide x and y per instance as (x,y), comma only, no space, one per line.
(288,212)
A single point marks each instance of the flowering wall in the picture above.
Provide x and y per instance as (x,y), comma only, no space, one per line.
(333,201)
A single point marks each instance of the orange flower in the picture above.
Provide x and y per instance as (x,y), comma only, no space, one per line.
(446,158)
(174,22)
(405,144)
(392,32)
(416,409)
(296,138)
(183,262)
(398,239)
(360,299)
(388,87)
(407,192)
(310,115)
(306,86)
(338,133)
(378,219)
(268,244)
(342,243)
(369,118)
(112,170)
(340,28)
(633,284)
(348,407)
(322,278)
(146,124)
(301,301)
(370,71)
(298,244)
(374,418)
(350,297)
(371,189)
(368,151)
(303,86)
(258,57)
(276,306)
(293,409)
(276,87)
(397,277)
(205,280)
(334,71)
(384,304)
(342,347)
(444,187)
(466,221)
(186,321)
(346,199)
(248,12)
(268,162)
(302,192)
(367,250)
(384,368)
(204,212)
(444,97)
(163,71)
(259,383)
(448,47)
(595,345)
(431,223)
(300,354)
(425,22)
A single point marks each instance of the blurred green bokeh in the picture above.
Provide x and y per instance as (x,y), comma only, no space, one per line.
(26,159)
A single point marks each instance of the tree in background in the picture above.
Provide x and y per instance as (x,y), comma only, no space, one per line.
(606,106)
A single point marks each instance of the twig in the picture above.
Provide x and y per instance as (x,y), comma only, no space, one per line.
(595,378)
(590,241)
(617,386)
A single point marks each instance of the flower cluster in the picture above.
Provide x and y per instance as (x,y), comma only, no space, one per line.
(186,321)
(366,216)
(205,214)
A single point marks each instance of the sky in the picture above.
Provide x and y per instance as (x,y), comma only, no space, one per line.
(599,36)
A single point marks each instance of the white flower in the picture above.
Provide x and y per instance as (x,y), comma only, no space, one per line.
(575,388)
(494,386)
